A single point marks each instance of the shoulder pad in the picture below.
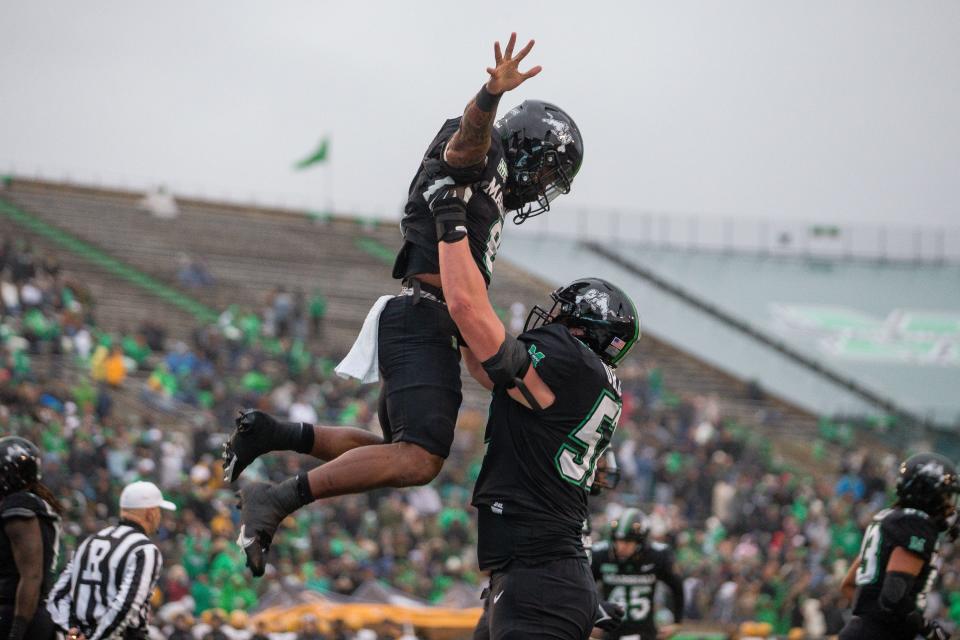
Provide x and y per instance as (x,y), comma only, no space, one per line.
(911,529)
(21,504)
(900,514)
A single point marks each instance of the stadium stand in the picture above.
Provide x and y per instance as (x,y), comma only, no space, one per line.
(762,512)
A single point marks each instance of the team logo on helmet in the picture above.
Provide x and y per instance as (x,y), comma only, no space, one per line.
(932,469)
(560,128)
(599,302)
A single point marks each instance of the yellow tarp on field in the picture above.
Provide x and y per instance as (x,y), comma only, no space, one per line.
(357,615)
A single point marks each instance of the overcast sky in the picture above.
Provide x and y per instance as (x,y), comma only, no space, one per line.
(814,110)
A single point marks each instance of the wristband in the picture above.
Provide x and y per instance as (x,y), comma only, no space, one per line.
(487,101)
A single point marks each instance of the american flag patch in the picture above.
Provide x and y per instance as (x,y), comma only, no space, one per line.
(617,343)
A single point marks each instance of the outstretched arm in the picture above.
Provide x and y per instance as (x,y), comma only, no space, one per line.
(469,144)
(469,306)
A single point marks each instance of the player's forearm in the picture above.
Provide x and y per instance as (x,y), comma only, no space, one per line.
(848,587)
(466,294)
(28,596)
(476,369)
(26,545)
(469,144)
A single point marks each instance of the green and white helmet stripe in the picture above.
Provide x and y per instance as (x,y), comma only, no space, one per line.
(629,525)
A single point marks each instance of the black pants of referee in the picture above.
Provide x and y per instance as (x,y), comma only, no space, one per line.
(41,627)
(555,600)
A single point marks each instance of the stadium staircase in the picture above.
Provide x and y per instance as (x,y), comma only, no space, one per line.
(250,251)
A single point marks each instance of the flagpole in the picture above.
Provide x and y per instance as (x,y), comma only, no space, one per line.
(328,175)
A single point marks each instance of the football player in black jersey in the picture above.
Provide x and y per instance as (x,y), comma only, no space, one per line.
(530,157)
(628,567)
(898,562)
(29,542)
(609,615)
(554,406)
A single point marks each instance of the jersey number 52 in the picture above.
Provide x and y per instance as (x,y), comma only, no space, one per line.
(576,459)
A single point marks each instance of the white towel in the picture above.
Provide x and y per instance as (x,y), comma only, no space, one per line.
(362,362)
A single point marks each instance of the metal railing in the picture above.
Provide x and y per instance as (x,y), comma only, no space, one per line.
(768,237)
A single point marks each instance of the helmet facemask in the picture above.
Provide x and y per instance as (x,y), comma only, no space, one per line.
(533,191)
(543,150)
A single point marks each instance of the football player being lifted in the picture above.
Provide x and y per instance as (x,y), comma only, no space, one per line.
(897,564)
(628,567)
(520,164)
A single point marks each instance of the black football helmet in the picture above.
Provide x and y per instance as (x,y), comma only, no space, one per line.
(544,151)
(19,464)
(929,482)
(607,315)
(633,525)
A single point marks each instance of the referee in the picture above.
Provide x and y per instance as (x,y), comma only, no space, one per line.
(103,593)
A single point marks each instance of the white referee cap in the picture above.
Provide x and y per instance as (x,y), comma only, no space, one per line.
(144,495)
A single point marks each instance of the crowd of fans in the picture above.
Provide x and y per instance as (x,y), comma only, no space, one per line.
(754,540)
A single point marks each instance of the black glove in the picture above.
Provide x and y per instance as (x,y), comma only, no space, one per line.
(933,631)
(609,616)
(449,210)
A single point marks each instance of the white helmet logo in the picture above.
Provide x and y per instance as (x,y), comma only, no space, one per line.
(932,470)
(560,129)
(598,301)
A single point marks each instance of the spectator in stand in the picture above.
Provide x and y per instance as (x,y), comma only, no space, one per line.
(310,629)
(318,311)
(216,631)
(260,631)
(182,627)
(114,367)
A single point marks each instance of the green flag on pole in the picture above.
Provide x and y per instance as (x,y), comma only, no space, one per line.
(318,156)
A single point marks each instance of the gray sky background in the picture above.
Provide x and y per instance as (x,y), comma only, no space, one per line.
(813,110)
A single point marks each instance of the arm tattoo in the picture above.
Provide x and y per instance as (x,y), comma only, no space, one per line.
(469,144)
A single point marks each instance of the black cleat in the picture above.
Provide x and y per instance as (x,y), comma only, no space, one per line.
(260,515)
(256,433)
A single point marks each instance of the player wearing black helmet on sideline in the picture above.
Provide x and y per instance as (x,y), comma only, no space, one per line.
(29,541)
(628,567)
(471,175)
(897,563)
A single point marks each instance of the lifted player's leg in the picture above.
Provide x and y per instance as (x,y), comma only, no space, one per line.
(263,506)
(258,433)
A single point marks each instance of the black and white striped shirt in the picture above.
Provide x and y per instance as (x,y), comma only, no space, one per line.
(106,588)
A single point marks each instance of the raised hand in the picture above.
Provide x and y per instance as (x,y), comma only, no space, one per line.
(506,75)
